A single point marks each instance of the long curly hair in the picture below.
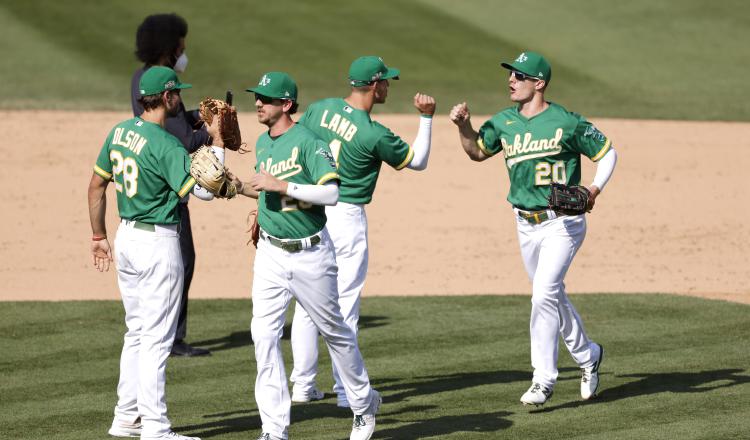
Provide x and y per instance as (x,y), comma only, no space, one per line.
(159,35)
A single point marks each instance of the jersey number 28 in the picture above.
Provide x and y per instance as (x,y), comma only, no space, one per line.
(129,170)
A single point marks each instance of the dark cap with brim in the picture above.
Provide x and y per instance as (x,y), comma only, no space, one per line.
(159,79)
(531,64)
(365,70)
(278,85)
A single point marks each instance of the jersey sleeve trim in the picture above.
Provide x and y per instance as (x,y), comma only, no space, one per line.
(603,151)
(328,177)
(102,173)
(480,144)
(187,187)
(409,157)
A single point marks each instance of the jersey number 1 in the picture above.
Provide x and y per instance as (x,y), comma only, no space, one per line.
(129,170)
(335,147)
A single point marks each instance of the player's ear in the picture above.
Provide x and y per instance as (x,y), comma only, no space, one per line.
(540,85)
(287,105)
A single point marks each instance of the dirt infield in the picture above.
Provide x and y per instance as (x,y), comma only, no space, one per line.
(671,220)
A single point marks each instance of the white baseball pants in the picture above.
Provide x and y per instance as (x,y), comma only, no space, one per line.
(548,250)
(310,277)
(347,225)
(150,276)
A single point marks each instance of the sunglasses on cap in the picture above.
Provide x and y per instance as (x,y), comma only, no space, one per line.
(520,76)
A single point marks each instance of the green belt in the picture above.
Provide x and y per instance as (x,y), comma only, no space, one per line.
(534,217)
(148,227)
(144,226)
(289,245)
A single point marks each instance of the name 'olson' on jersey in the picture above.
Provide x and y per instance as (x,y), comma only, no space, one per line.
(339,125)
(132,141)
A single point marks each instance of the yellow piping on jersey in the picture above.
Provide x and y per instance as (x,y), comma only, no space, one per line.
(480,144)
(102,173)
(328,177)
(409,157)
(187,187)
(603,151)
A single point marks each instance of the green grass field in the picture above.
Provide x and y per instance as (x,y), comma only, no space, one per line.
(448,368)
(636,59)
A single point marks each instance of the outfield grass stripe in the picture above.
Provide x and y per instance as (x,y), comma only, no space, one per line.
(455,371)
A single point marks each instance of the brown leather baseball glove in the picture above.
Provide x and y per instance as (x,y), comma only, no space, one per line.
(208,171)
(229,126)
(568,199)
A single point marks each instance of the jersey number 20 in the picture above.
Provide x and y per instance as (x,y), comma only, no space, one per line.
(129,170)
(547,173)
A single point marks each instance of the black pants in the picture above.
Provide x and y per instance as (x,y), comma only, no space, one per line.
(188,260)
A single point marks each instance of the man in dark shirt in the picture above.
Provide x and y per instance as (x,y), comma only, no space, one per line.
(160,41)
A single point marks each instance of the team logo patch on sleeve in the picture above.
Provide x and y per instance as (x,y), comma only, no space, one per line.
(595,134)
(327,154)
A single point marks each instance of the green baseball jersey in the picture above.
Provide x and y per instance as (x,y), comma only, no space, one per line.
(297,156)
(150,169)
(542,149)
(359,144)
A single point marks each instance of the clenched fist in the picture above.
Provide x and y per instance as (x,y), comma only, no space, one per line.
(425,104)
(460,114)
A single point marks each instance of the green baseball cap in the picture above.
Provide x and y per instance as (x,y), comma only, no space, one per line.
(532,64)
(277,85)
(159,79)
(365,70)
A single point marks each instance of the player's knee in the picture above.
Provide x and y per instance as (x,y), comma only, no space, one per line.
(545,294)
(261,332)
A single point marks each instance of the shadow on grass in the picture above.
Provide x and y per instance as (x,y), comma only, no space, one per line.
(239,339)
(249,421)
(439,426)
(698,382)
(428,385)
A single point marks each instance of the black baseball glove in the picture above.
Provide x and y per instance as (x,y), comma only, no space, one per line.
(569,199)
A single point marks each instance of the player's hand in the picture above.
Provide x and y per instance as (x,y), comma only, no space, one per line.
(101,253)
(214,131)
(594,190)
(460,114)
(425,104)
(265,181)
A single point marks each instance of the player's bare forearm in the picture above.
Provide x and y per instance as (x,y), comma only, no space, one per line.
(468,137)
(97,195)
(243,188)
(461,116)
(265,181)
(246,190)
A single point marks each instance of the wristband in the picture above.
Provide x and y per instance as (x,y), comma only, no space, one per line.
(98,238)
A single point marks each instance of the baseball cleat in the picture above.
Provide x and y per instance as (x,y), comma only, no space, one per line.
(364,425)
(267,436)
(536,395)
(122,429)
(310,396)
(590,377)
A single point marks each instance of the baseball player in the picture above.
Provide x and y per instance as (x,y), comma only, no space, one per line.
(296,177)
(149,168)
(360,146)
(542,143)
(160,41)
